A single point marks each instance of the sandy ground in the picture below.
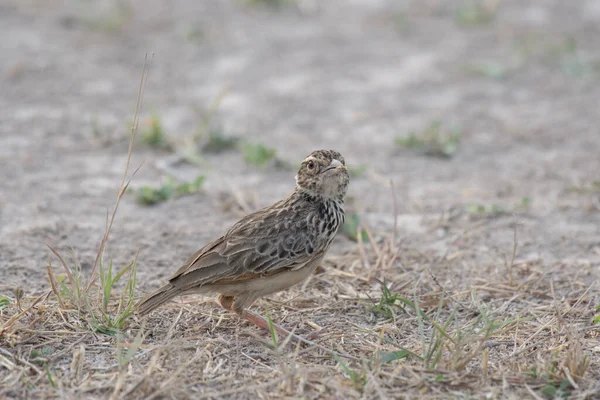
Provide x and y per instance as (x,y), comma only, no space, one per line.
(353,76)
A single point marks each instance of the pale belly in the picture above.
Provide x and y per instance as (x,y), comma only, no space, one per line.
(267,284)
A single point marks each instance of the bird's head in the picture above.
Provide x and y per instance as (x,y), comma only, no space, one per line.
(323,173)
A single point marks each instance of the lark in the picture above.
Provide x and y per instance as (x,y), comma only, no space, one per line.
(271,249)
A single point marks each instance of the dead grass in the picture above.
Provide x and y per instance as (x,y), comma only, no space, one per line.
(512,329)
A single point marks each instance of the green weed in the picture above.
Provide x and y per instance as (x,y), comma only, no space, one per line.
(71,291)
(95,127)
(148,196)
(570,61)
(351,227)
(556,390)
(388,302)
(105,321)
(358,378)
(154,135)
(120,15)
(402,23)
(205,126)
(258,154)
(218,142)
(388,357)
(487,209)
(126,351)
(50,376)
(4,302)
(269,3)
(357,171)
(474,14)
(556,385)
(592,187)
(446,339)
(40,356)
(494,210)
(436,140)
(194,33)
(563,55)
(489,70)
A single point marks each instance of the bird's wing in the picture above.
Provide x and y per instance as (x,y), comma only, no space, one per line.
(263,243)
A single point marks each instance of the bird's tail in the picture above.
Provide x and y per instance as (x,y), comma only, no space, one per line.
(158,298)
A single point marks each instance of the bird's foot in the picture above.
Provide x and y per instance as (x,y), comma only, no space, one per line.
(227,302)
(284,334)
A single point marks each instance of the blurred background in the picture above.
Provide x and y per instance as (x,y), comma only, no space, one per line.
(474,110)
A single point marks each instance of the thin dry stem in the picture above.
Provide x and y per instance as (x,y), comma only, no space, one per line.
(124,182)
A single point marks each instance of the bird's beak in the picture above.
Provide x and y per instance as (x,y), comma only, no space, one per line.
(335,164)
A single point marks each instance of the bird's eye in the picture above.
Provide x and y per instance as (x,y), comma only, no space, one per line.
(310,165)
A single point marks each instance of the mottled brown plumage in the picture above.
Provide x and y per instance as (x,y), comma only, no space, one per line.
(270,249)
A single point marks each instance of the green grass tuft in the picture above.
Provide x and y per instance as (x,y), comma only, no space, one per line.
(351,227)
(494,210)
(485,209)
(258,154)
(106,321)
(491,70)
(388,357)
(218,142)
(148,196)
(194,33)
(117,18)
(358,378)
(444,339)
(269,3)
(472,14)
(4,302)
(126,352)
(95,304)
(436,140)
(387,303)
(402,23)
(154,135)
(357,171)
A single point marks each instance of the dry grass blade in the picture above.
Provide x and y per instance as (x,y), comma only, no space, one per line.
(72,281)
(17,360)
(124,181)
(52,280)
(100,319)
(5,327)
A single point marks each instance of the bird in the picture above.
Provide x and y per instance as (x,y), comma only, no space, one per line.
(270,249)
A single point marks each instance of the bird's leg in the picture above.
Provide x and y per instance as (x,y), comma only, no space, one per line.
(261,322)
(226,302)
(230,304)
(240,305)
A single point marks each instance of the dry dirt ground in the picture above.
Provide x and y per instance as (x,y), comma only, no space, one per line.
(470,313)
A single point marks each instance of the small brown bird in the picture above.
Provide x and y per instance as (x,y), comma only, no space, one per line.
(270,249)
